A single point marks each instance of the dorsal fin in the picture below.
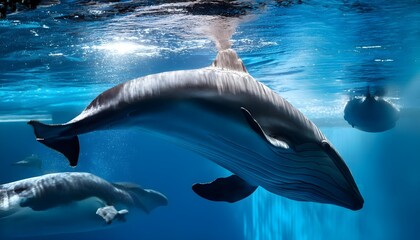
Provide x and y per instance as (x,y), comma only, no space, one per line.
(228,59)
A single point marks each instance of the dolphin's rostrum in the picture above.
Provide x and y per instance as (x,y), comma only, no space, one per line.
(225,115)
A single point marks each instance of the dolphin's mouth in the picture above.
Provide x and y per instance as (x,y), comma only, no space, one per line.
(357,199)
(312,172)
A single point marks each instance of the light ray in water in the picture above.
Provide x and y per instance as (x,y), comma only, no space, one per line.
(274,217)
(123,48)
(24,118)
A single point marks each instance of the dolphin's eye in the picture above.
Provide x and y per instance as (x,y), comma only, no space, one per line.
(19,189)
(325,145)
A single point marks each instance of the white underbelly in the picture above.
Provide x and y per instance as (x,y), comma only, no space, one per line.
(233,144)
(227,141)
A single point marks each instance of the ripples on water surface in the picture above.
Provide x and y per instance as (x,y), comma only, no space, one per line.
(303,50)
(314,53)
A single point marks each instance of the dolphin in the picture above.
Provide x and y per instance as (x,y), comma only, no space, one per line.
(222,113)
(70,202)
(31,161)
(371,113)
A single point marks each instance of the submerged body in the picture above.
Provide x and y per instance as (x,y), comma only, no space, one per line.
(225,115)
(32,161)
(371,114)
(68,203)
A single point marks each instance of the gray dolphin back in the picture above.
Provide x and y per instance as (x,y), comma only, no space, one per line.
(52,190)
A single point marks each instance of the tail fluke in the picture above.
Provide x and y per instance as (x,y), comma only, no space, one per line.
(51,136)
(69,147)
(145,199)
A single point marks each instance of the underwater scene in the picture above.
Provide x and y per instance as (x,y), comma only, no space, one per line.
(218,119)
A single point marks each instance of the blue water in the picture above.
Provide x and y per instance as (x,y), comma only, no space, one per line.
(317,54)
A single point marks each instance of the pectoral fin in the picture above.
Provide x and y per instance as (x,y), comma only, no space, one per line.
(229,189)
(257,128)
(109,213)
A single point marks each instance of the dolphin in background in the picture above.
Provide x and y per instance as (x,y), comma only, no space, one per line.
(70,202)
(32,161)
(371,113)
(224,114)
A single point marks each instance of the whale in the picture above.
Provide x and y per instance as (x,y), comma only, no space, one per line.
(223,114)
(70,202)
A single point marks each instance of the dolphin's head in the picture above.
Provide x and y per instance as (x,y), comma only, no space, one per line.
(315,173)
(348,193)
(304,166)
(322,176)
(10,198)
